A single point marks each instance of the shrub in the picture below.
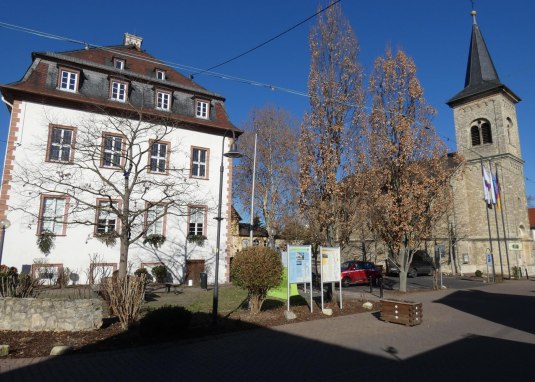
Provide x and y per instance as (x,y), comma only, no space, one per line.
(63,279)
(479,273)
(14,285)
(165,321)
(143,272)
(160,273)
(125,296)
(257,269)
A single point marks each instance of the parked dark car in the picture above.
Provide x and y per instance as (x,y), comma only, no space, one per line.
(422,264)
(359,272)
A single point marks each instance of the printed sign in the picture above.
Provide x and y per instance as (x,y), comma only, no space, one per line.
(330,264)
(514,246)
(299,264)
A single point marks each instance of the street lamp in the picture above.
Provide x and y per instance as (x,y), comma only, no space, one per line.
(4,223)
(232,153)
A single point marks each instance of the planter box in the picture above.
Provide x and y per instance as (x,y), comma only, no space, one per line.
(401,312)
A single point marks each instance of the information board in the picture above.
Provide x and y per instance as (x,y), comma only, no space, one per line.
(299,264)
(330,264)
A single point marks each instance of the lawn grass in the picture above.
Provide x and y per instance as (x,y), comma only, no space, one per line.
(230,298)
(197,300)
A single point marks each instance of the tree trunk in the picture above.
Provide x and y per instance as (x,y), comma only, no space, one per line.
(402,281)
(255,302)
(123,257)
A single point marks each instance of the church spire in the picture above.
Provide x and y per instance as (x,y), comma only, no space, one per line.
(480,68)
(481,75)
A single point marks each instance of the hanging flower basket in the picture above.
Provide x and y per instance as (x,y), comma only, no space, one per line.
(155,240)
(196,239)
(45,241)
(108,238)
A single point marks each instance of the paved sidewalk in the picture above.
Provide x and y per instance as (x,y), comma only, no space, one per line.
(483,333)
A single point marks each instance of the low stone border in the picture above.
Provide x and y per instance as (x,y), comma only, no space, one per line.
(37,314)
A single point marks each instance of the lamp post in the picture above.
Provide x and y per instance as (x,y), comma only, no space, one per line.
(232,153)
(252,195)
(4,223)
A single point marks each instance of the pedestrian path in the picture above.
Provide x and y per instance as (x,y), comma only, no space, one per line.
(482,333)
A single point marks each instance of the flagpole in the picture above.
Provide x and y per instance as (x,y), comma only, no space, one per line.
(496,195)
(503,223)
(488,219)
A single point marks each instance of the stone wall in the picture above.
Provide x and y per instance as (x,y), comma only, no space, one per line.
(31,314)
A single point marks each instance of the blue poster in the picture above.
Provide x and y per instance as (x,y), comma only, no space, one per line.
(299,264)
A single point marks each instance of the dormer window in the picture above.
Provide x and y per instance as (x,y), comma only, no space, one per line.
(481,133)
(160,74)
(163,100)
(202,109)
(68,80)
(118,63)
(118,90)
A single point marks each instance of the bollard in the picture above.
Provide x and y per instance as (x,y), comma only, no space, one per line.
(527,277)
(381,287)
(371,284)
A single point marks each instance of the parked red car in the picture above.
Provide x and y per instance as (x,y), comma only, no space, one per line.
(359,272)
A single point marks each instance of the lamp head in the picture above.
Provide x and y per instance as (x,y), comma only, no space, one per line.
(233,152)
(5,223)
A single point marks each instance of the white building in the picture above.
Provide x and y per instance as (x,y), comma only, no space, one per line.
(101,131)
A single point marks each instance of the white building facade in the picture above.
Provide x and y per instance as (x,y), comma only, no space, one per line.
(108,146)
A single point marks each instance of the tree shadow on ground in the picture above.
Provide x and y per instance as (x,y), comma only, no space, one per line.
(504,309)
(267,355)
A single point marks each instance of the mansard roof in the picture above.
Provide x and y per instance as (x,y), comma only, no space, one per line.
(96,67)
(481,75)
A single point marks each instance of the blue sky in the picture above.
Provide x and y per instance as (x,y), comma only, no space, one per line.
(201,34)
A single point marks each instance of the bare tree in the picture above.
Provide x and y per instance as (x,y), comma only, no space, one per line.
(408,175)
(111,166)
(276,170)
(328,145)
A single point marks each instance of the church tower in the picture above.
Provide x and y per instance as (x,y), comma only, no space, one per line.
(487,137)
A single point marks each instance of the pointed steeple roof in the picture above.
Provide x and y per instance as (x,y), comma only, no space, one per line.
(481,75)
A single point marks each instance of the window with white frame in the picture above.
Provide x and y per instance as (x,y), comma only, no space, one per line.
(158,157)
(163,100)
(199,162)
(106,217)
(52,215)
(118,91)
(118,63)
(197,217)
(155,220)
(160,74)
(201,109)
(112,150)
(68,80)
(60,144)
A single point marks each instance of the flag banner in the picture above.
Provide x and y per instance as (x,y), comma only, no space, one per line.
(492,192)
(486,186)
(496,185)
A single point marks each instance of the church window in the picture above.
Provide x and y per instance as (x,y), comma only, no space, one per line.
(509,126)
(485,133)
(481,133)
(476,141)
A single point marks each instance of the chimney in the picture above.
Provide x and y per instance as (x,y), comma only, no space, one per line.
(130,39)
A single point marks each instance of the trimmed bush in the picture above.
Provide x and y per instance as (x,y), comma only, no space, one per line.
(479,273)
(143,271)
(160,273)
(257,269)
(166,321)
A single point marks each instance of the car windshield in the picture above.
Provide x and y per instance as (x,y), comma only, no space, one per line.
(345,266)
